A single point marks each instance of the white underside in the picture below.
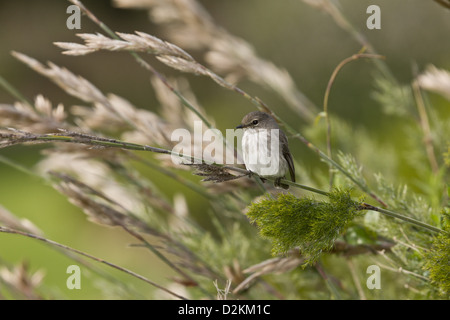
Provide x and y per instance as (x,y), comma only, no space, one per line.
(262,153)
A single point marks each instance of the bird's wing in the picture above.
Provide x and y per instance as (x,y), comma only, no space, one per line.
(287,155)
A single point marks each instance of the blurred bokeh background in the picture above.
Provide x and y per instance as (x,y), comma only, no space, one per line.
(293,35)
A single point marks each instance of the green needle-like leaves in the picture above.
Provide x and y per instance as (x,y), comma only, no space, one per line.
(309,224)
(438,258)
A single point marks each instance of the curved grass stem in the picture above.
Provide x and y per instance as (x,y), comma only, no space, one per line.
(327,95)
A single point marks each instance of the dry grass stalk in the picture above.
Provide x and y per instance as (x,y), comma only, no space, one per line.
(171,108)
(110,111)
(98,206)
(9,220)
(435,80)
(188,24)
(102,209)
(294,260)
(274,265)
(72,250)
(139,42)
(222,294)
(214,173)
(71,83)
(167,53)
(43,118)
(21,281)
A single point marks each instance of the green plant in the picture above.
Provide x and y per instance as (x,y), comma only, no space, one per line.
(109,158)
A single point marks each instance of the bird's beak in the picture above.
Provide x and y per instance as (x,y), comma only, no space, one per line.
(240,126)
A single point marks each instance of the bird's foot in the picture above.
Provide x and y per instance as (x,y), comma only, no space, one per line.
(277,184)
(250,174)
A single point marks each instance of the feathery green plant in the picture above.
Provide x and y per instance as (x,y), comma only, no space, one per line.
(307,223)
(438,257)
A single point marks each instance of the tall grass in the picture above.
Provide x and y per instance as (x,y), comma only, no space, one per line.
(93,154)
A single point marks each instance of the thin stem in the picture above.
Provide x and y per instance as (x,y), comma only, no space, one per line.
(164,259)
(18,166)
(366,206)
(356,281)
(338,167)
(308,188)
(326,97)
(260,184)
(328,281)
(425,125)
(188,183)
(14,92)
(163,79)
(401,270)
(345,24)
(53,243)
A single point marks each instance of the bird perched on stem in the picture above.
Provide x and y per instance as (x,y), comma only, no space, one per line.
(265,148)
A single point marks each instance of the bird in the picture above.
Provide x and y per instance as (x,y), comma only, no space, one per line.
(265,148)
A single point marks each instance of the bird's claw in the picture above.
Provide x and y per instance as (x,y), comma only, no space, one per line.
(250,174)
(277,184)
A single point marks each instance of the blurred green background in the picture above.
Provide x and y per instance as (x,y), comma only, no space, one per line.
(291,34)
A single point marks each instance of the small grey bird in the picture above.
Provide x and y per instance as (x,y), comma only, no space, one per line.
(265,148)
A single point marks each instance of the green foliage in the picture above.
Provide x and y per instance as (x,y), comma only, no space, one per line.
(395,99)
(438,258)
(348,161)
(447,156)
(309,224)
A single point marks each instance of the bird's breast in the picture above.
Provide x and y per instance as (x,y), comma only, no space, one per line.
(262,153)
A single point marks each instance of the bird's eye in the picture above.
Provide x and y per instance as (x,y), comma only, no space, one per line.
(255,122)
